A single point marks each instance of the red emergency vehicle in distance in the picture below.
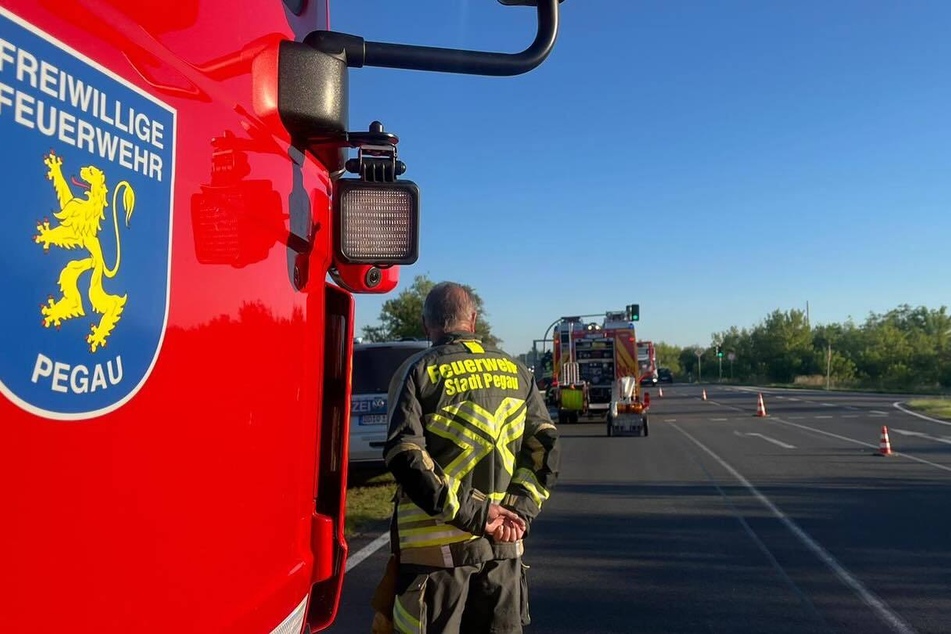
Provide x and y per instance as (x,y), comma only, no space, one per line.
(174,366)
(647,363)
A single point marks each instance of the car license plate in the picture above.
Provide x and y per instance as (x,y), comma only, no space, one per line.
(373,419)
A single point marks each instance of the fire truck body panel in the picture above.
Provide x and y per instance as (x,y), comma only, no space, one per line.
(235,356)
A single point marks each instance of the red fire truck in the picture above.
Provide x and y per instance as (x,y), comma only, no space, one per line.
(174,363)
(647,363)
(588,358)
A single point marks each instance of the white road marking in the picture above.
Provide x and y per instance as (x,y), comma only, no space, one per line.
(879,412)
(897,623)
(772,440)
(897,405)
(822,417)
(864,444)
(670,420)
(905,432)
(718,419)
(358,557)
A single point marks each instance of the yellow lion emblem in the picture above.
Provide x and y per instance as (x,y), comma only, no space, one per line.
(79,224)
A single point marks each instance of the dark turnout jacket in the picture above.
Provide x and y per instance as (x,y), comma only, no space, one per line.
(467,427)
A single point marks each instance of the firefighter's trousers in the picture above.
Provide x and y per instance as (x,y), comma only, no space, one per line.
(490,597)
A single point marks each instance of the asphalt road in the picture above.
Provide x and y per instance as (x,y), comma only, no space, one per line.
(721,521)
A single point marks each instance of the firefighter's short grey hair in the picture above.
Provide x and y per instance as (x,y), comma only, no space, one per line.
(448,306)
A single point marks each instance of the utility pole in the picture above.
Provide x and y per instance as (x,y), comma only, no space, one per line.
(699,353)
(828,364)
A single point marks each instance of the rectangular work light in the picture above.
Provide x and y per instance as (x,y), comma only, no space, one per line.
(376,223)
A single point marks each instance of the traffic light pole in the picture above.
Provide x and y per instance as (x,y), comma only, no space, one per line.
(720,363)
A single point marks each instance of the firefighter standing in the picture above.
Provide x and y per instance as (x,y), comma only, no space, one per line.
(475,455)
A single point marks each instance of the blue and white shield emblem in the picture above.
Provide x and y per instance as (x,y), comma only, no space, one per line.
(85,228)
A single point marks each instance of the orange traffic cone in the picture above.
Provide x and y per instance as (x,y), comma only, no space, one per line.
(885,447)
(704,393)
(660,391)
(760,407)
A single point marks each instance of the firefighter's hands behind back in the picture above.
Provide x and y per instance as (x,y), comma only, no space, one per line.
(508,532)
(504,525)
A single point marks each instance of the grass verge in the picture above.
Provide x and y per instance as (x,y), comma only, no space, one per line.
(369,504)
(937,407)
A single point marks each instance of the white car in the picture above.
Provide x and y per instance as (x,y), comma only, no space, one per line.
(374,365)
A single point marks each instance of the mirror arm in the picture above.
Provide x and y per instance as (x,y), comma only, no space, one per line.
(358,53)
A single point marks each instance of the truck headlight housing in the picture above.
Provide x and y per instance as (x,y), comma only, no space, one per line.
(376,223)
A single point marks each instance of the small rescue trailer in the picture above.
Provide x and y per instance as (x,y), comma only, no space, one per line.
(627,415)
(572,395)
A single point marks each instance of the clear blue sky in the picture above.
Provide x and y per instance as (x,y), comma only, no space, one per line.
(709,161)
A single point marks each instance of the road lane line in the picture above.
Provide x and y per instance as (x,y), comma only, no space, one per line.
(905,432)
(772,440)
(859,442)
(803,597)
(897,405)
(358,557)
(719,420)
(889,616)
(879,412)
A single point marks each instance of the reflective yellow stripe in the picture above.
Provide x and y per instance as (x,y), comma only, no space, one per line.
(528,480)
(474,347)
(511,432)
(474,447)
(416,528)
(409,512)
(444,530)
(403,620)
(433,536)
(452,500)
